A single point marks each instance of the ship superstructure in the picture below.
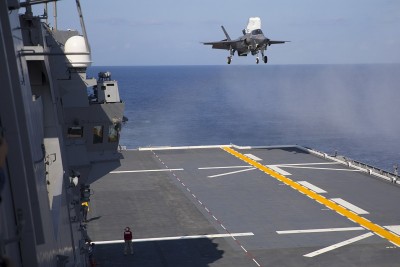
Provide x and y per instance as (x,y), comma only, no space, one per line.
(57,123)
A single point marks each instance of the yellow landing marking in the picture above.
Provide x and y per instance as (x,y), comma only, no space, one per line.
(377,229)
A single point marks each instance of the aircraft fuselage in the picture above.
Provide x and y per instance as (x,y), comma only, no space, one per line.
(250,42)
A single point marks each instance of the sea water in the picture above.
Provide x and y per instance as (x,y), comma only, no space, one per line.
(351,109)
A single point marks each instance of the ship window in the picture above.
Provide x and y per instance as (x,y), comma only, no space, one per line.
(75,132)
(97,134)
(113,134)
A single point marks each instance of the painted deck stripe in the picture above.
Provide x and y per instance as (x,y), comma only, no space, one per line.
(175,238)
(158,170)
(278,170)
(338,245)
(256,262)
(227,173)
(318,168)
(305,164)
(320,230)
(314,188)
(377,229)
(349,206)
(394,228)
(225,167)
(253,157)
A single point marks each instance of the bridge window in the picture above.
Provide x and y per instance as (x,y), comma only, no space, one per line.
(113,133)
(97,134)
(75,132)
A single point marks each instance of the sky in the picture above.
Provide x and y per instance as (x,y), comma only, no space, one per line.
(160,32)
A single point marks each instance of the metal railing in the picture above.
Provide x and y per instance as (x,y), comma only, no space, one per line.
(366,168)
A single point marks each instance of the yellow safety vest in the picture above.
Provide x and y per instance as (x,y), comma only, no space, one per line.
(85,204)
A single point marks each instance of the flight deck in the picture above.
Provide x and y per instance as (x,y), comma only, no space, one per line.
(243,206)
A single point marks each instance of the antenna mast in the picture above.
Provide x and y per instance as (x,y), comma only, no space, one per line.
(78,6)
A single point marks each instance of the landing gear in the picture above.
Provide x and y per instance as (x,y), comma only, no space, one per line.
(264,58)
(231,53)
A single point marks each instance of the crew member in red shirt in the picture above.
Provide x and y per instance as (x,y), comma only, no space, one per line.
(128,240)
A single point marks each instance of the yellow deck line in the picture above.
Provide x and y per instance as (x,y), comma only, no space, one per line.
(377,229)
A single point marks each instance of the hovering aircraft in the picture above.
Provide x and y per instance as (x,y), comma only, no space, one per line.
(253,40)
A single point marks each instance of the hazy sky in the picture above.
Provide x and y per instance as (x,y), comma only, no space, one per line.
(159,32)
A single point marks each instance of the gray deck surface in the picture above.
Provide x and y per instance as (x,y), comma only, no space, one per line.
(185,201)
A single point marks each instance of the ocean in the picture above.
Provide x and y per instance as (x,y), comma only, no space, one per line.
(351,109)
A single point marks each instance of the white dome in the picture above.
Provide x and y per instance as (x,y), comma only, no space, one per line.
(77,44)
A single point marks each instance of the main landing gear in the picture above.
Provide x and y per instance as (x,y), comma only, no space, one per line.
(264,58)
(231,53)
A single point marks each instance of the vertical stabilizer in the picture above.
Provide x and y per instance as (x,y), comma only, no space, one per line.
(226,34)
(253,24)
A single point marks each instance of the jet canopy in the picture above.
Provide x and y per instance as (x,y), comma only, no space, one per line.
(256,32)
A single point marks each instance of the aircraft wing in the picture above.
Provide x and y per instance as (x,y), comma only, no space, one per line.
(224,44)
(270,42)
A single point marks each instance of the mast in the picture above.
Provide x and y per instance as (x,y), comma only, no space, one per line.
(78,6)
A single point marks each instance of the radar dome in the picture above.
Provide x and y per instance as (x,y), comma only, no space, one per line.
(77,44)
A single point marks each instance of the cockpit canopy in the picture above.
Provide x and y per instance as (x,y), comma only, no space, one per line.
(255,32)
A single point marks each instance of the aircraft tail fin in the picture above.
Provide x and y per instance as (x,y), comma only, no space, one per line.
(226,34)
(253,24)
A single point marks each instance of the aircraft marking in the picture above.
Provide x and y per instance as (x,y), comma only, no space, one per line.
(314,188)
(227,173)
(253,157)
(159,170)
(225,167)
(338,245)
(305,164)
(277,167)
(349,206)
(185,237)
(377,229)
(316,168)
(394,228)
(278,170)
(320,230)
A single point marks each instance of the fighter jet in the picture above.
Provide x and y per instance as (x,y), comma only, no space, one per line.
(253,40)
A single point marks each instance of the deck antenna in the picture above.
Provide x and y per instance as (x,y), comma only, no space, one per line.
(28,8)
(78,6)
(45,12)
(55,15)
